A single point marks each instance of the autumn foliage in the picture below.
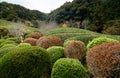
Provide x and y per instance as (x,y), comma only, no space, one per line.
(36,35)
(75,49)
(48,41)
(103,61)
(31,41)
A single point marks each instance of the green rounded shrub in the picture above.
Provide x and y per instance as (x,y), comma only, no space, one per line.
(55,52)
(32,41)
(6,48)
(103,61)
(99,40)
(1,41)
(49,41)
(17,40)
(7,42)
(8,45)
(25,62)
(68,68)
(24,45)
(75,49)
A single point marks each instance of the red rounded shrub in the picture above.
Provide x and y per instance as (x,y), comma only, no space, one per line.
(31,41)
(103,61)
(48,41)
(75,49)
(36,35)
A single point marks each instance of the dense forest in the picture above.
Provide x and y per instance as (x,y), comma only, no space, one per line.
(97,15)
(13,12)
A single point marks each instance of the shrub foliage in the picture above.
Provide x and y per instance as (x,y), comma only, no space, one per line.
(25,62)
(103,61)
(99,40)
(36,35)
(48,41)
(55,52)
(32,41)
(75,49)
(68,68)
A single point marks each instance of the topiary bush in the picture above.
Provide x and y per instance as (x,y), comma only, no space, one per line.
(7,42)
(17,40)
(31,41)
(55,52)
(6,48)
(99,40)
(68,68)
(24,45)
(49,41)
(36,35)
(1,41)
(25,62)
(8,45)
(66,42)
(103,61)
(75,49)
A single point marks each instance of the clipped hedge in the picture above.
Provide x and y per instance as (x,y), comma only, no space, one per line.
(99,40)
(49,41)
(24,45)
(6,48)
(36,35)
(25,62)
(7,42)
(103,61)
(17,40)
(31,41)
(55,52)
(68,68)
(75,49)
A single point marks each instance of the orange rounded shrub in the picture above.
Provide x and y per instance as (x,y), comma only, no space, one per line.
(75,49)
(36,35)
(48,41)
(31,41)
(103,61)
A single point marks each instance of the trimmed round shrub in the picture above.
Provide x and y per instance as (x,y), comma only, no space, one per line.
(24,45)
(1,41)
(100,40)
(8,45)
(68,68)
(6,48)
(49,41)
(36,35)
(75,49)
(55,52)
(17,40)
(31,41)
(103,61)
(25,62)
(7,42)
(66,42)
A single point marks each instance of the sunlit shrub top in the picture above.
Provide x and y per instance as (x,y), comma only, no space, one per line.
(68,68)
(25,62)
(99,40)
(55,52)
